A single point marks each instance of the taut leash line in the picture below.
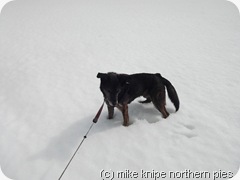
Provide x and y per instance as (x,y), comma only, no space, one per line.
(95,119)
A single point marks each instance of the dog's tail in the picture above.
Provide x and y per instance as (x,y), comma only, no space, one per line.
(172,93)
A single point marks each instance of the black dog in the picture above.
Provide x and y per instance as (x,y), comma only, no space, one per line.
(119,90)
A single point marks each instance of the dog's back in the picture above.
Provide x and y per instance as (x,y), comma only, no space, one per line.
(141,85)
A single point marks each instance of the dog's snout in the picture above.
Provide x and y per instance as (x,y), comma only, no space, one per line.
(113,103)
(113,100)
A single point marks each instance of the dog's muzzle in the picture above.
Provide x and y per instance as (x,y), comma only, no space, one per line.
(111,103)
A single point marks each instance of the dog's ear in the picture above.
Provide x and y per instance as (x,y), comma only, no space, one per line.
(101,75)
(158,74)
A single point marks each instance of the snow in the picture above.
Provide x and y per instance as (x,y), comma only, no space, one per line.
(51,52)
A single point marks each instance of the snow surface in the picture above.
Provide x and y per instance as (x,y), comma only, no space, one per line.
(50,54)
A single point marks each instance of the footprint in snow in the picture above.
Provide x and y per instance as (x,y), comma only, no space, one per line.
(187,131)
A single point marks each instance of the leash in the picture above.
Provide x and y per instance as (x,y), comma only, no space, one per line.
(95,120)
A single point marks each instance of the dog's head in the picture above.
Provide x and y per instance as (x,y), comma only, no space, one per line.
(111,87)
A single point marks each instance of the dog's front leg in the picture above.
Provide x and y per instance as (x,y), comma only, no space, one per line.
(125,115)
(110,112)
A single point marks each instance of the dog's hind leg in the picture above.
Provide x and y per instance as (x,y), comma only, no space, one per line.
(159,101)
(163,110)
(110,112)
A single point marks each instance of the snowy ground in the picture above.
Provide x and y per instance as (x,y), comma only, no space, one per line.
(51,52)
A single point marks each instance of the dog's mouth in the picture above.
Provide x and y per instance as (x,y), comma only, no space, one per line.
(111,103)
(111,97)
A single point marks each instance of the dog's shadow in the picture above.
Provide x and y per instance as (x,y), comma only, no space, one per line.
(62,145)
(148,112)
